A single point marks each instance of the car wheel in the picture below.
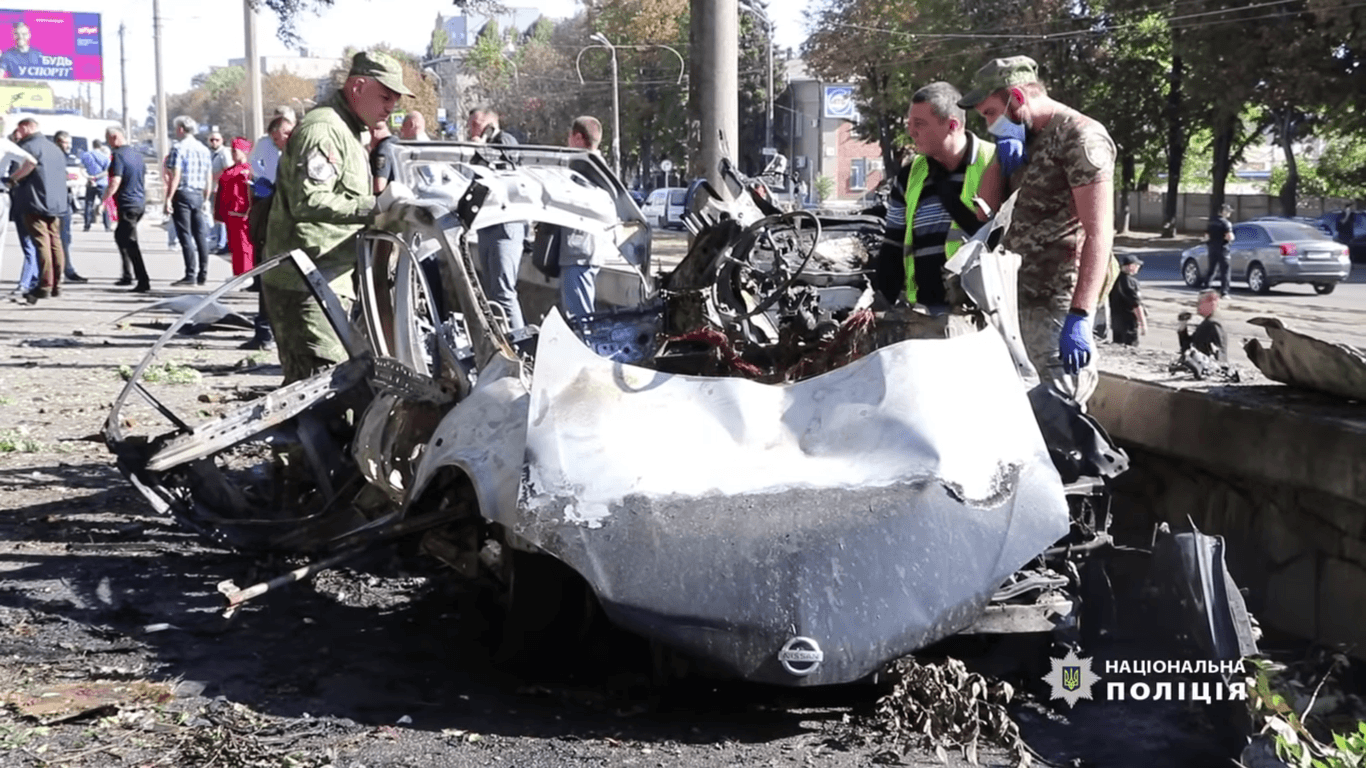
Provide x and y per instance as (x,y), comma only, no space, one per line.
(1190,273)
(1256,279)
(1323,289)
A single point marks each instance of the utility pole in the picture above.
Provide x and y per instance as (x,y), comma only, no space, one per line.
(161,91)
(253,123)
(759,10)
(123,79)
(716,82)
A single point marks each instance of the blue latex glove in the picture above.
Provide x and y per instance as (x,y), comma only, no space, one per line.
(1011,153)
(1074,346)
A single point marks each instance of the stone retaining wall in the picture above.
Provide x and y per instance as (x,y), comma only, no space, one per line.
(1281,483)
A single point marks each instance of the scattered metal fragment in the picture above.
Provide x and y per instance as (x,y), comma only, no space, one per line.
(1301,360)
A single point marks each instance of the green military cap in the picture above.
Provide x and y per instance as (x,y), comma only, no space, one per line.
(382,67)
(998,74)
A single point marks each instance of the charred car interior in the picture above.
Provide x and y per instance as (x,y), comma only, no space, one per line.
(758,466)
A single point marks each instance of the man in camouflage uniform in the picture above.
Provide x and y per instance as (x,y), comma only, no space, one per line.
(323,197)
(1063,225)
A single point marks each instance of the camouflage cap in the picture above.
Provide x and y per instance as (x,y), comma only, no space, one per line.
(381,67)
(998,74)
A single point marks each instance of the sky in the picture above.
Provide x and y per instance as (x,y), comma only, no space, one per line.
(198,35)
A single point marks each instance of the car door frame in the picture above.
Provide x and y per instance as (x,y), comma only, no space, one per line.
(1241,253)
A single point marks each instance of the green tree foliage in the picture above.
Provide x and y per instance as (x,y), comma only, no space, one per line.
(1263,62)
(541,80)
(292,12)
(1341,170)
(530,81)
(215,99)
(654,103)
(438,43)
(869,42)
(753,77)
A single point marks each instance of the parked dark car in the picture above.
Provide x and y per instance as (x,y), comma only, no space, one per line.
(1353,236)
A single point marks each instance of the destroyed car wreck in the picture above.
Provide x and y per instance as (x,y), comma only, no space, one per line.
(754,467)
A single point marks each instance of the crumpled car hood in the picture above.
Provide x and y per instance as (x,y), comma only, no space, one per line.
(872,510)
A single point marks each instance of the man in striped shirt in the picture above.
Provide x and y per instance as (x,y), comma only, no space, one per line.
(189,169)
(941,188)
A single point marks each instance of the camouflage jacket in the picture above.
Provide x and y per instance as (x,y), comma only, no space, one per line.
(323,196)
(1071,151)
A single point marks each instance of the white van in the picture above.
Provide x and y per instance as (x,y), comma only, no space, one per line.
(663,209)
(83,130)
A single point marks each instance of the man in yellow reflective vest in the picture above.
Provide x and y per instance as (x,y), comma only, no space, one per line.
(946,175)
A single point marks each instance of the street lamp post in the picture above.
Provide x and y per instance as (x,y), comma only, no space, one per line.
(440,103)
(761,14)
(599,37)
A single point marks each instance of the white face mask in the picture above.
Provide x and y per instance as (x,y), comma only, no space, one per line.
(1005,128)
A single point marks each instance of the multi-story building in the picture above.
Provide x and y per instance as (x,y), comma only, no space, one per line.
(460,34)
(815,125)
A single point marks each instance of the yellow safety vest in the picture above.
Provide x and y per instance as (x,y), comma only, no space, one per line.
(983,153)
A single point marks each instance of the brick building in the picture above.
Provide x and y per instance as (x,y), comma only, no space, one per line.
(815,122)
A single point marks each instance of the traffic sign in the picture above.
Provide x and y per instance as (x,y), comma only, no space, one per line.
(666,165)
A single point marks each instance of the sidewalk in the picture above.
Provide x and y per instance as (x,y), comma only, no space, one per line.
(96,258)
(1153,241)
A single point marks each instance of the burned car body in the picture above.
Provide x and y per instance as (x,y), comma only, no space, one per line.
(749,466)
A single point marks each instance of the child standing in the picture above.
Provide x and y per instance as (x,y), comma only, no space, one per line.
(1127,319)
(232,204)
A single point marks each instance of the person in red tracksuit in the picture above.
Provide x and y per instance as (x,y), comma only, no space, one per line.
(232,204)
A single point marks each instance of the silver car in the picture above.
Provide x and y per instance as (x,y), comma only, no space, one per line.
(1268,252)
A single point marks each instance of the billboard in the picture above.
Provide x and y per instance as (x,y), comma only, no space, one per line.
(50,45)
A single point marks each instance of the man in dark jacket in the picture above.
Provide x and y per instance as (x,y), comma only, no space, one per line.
(127,193)
(1220,235)
(1208,338)
(43,196)
(1127,318)
(500,246)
